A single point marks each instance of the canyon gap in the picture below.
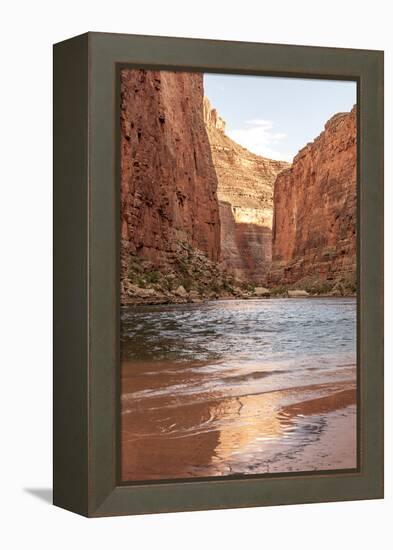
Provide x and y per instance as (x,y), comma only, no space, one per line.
(245,193)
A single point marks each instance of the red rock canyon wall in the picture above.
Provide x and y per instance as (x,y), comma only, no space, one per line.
(168,181)
(314,227)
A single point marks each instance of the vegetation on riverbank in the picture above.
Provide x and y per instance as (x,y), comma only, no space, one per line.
(192,277)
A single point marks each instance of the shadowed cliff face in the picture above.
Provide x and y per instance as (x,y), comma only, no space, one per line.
(245,193)
(246,245)
(314,229)
(168,181)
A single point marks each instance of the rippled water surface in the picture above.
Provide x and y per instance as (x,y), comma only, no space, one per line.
(237,387)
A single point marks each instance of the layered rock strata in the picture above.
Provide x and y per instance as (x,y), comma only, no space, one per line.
(245,193)
(314,227)
(168,180)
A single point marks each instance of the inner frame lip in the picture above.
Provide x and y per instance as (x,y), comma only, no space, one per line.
(119,66)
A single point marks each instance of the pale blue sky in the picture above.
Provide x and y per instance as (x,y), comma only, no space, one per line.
(274,116)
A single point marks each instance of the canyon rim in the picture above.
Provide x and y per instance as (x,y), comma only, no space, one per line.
(238,275)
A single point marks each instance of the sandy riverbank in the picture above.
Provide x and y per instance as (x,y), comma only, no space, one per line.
(169,435)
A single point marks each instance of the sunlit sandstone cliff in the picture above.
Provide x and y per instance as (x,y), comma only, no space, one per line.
(314,227)
(245,193)
(168,181)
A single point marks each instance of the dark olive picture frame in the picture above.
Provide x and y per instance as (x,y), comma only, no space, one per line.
(86,274)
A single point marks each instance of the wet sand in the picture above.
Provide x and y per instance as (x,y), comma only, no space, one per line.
(334,450)
(169,433)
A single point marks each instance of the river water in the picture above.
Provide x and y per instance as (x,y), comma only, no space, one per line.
(238,387)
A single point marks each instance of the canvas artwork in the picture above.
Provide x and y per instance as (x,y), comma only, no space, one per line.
(238,275)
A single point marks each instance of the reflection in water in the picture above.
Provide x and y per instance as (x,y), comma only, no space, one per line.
(252,427)
(238,388)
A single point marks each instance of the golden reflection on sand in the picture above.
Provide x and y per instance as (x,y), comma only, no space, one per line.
(250,419)
(169,434)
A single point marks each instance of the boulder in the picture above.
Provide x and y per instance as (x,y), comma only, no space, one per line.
(144,292)
(194,296)
(260,291)
(181,292)
(297,293)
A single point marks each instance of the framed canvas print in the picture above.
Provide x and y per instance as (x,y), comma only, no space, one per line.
(218,274)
